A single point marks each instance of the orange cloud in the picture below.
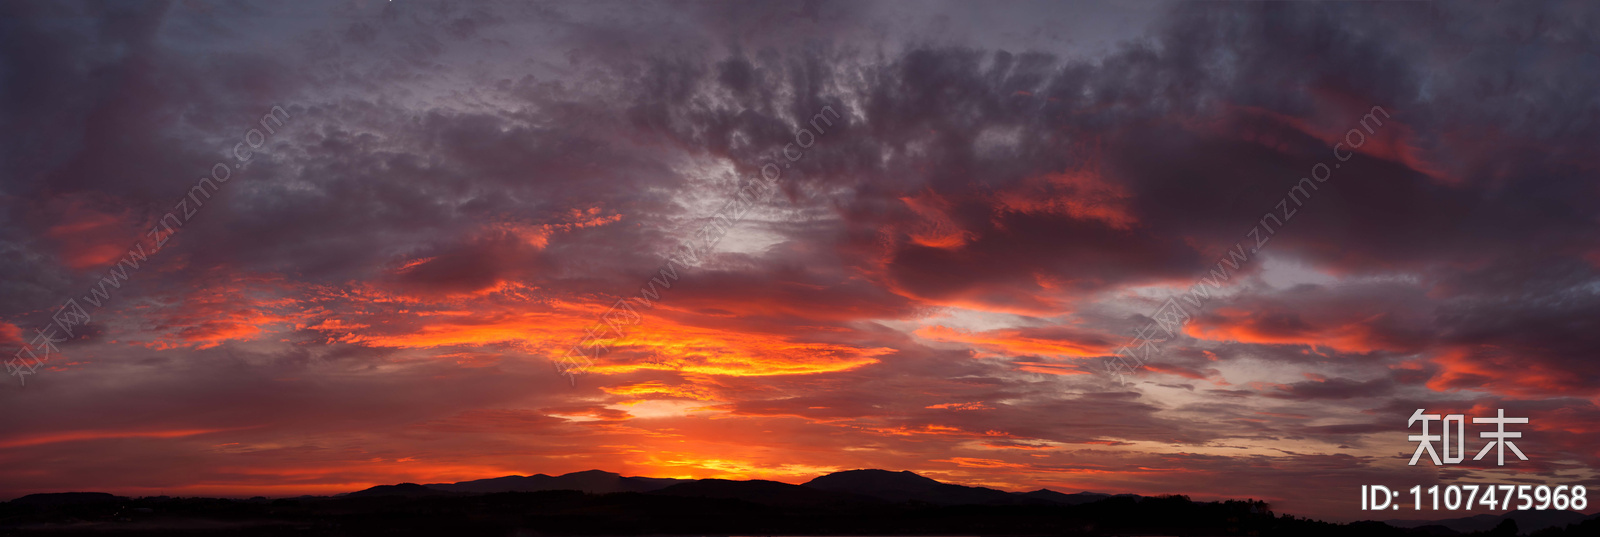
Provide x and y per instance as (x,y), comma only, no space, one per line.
(653,388)
(1050,369)
(1503,371)
(719,352)
(1284,328)
(237,308)
(969,462)
(1057,342)
(551,327)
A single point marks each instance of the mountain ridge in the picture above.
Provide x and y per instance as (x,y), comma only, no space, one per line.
(590,481)
(848,485)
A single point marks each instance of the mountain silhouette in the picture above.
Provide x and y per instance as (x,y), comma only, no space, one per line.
(403,489)
(858,486)
(908,486)
(590,481)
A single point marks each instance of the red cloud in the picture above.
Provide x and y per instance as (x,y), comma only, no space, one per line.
(92,232)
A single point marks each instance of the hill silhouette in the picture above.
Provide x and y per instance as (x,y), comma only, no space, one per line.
(590,481)
(856,502)
(847,486)
(907,486)
(403,489)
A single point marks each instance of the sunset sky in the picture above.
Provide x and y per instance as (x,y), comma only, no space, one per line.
(451,193)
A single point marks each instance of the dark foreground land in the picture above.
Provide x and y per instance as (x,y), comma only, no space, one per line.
(631,513)
(704,507)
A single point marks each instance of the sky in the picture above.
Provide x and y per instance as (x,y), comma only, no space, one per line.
(309,247)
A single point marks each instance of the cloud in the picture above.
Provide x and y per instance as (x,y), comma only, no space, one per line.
(460,193)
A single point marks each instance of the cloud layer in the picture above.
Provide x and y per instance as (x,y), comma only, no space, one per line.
(378,291)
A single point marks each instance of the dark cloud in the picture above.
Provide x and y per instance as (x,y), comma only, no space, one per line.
(1337,388)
